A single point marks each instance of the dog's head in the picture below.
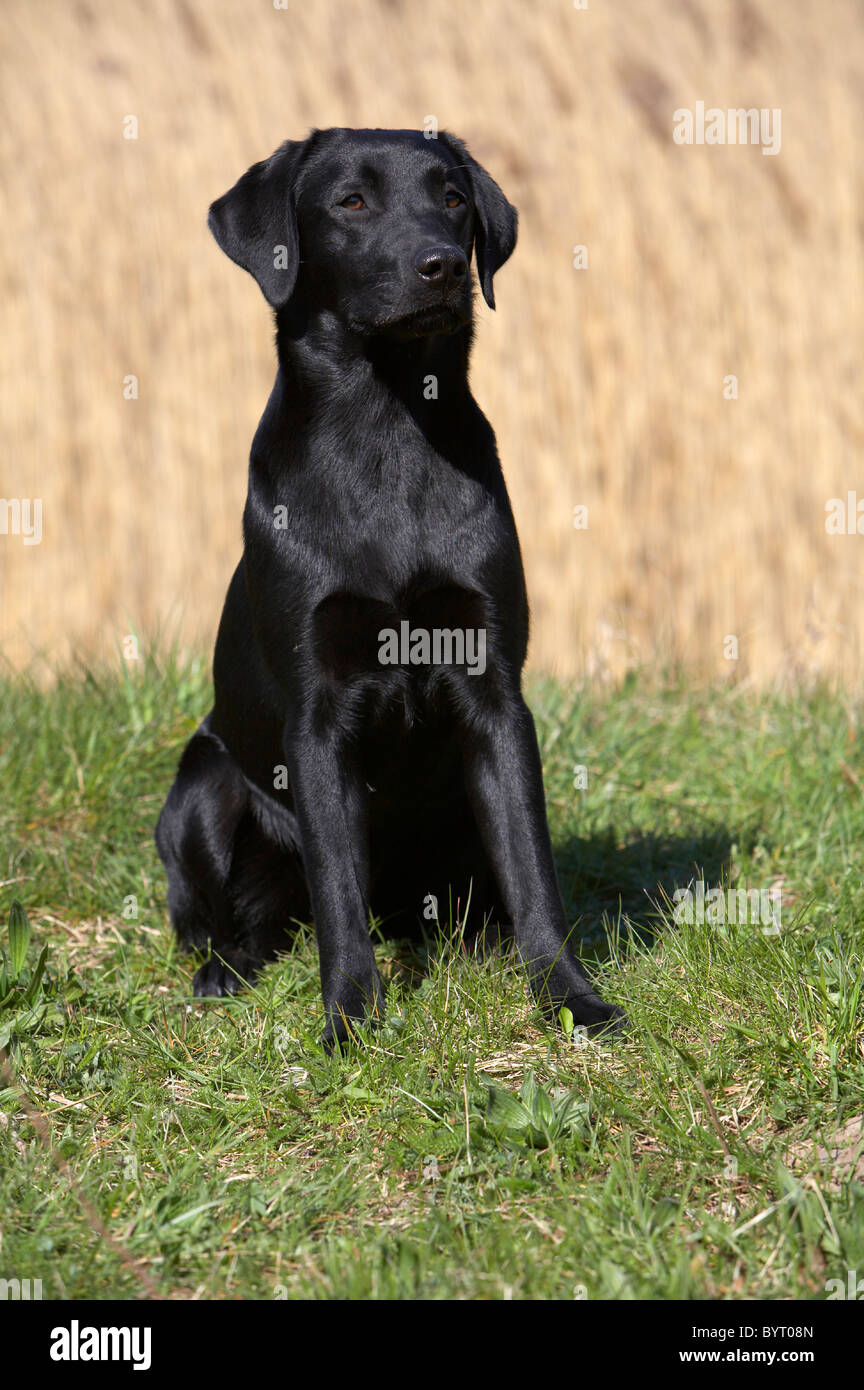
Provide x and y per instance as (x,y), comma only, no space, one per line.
(376,226)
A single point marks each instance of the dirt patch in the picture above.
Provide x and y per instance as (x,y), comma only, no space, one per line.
(841,1156)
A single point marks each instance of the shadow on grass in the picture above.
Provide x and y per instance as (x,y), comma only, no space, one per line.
(609,887)
(604,879)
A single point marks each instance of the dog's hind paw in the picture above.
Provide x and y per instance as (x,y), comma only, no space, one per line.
(223,974)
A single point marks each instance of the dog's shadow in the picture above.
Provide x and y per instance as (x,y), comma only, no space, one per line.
(605,880)
(611,886)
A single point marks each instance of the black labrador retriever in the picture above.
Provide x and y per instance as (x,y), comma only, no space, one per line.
(369,748)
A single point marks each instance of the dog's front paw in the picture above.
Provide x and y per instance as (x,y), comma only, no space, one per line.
(354,1009)
(599,1019)
(563,986)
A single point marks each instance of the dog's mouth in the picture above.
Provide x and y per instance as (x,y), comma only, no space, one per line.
(424,323)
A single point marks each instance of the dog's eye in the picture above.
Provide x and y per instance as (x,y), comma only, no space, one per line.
(452,199)
(353,202)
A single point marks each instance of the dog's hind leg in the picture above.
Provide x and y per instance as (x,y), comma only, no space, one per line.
(232,888)
(195,838)
(267,887)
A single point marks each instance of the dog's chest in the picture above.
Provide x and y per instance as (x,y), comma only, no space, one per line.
(429,626)
(408,594)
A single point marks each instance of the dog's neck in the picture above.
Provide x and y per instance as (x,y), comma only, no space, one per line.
(373,394)
(320,357)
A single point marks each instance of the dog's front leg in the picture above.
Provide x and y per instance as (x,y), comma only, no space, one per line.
(330,806)
(505,784)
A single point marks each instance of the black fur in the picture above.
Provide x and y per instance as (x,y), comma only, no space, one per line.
(375,496)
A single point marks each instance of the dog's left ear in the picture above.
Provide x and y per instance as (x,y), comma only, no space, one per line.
(495,234)
(255,222)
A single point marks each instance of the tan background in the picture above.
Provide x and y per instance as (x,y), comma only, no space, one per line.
(706,516)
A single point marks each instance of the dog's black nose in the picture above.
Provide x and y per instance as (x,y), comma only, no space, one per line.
(441,265)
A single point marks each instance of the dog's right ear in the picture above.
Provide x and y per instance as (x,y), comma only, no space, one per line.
(255,222)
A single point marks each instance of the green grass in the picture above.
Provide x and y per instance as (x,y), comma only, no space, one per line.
(233,1158)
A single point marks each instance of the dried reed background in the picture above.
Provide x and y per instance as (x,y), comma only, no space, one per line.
(706,516)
